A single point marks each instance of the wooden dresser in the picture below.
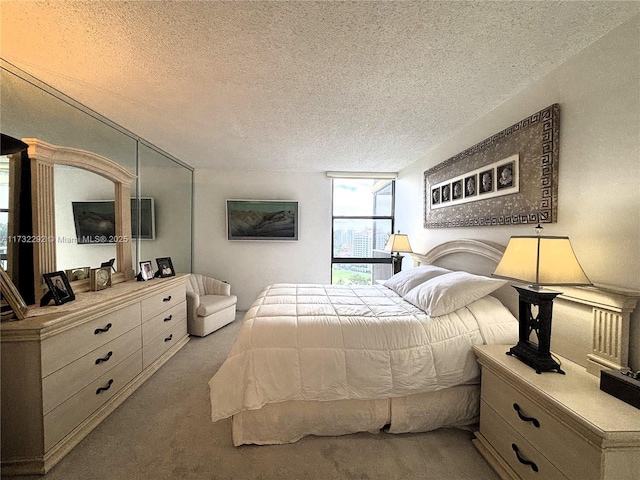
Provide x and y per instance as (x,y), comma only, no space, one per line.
(65,368)
(553,426)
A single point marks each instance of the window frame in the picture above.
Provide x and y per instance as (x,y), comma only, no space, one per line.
(391,217)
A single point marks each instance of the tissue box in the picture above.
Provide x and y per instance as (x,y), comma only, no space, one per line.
(620,386)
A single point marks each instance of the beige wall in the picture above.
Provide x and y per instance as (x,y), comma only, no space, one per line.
(599,168)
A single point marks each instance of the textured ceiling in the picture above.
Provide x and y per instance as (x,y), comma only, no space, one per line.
(298,86)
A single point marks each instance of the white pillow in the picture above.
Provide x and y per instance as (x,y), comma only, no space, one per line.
(406,280)
(449,292)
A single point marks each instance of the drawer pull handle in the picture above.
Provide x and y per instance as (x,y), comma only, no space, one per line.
(167,299)
(104,389)
(168,339)
(168,319)
(102,330)
(535,421)
(533,466)
(104,359)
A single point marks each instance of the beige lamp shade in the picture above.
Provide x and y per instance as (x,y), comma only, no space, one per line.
(541,260)
(398,242)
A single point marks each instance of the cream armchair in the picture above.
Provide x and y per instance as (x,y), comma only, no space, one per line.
(210,305)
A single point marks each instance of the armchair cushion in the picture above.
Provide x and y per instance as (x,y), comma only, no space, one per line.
(210,304)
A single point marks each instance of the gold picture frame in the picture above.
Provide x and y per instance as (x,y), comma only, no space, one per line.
(79,273)
(12,295)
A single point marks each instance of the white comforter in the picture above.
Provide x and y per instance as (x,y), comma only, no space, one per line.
(331,342)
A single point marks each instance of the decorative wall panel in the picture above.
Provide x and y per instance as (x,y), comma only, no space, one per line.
(508,179)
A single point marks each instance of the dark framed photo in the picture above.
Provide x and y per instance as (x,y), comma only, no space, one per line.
(486,181)
(59,287)
(108,264)
(446,193)
(456,188)
(505,175)
(165,267)
(435,196)
(470,186)
(146,270)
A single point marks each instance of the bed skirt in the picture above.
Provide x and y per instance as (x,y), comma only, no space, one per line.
(288,422)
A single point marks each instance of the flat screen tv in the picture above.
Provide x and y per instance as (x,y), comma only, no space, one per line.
(262,220)
(95,220)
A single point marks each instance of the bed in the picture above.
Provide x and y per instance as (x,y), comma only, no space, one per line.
(331,360)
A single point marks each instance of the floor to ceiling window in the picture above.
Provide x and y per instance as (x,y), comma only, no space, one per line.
(363,219)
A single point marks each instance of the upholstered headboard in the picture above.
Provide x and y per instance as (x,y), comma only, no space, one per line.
(597,327)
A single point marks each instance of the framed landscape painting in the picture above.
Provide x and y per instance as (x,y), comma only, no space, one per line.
(262,220)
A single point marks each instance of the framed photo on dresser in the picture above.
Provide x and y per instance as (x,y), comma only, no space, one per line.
(59,288)
(165,267)
(146,270)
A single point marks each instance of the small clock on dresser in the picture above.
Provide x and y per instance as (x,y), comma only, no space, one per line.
(100,278)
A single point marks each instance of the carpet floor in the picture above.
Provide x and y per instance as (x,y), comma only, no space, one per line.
(163,431)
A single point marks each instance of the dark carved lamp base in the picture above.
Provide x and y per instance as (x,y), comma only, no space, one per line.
(540,361)
(536,356)
(396,260)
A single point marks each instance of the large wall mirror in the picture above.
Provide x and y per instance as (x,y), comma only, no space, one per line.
(160,194)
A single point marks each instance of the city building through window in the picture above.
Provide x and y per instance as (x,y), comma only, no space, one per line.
(363,219)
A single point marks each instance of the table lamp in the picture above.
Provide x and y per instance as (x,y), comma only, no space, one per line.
(538,260)
(398,242)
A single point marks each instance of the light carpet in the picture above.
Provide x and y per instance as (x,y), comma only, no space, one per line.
(163,431)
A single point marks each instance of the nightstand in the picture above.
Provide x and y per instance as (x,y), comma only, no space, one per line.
(550,426)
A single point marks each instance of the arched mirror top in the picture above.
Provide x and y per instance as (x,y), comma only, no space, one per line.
(43,157)
(74,157)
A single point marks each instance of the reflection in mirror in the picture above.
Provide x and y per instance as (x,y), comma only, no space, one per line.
(31,109)
(4,209)
(79,230)
(169,184)
(43,157)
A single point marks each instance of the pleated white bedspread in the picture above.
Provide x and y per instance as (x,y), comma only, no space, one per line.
(330,342)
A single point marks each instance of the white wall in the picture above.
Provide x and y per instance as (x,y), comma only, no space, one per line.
(251,265)
(599,167)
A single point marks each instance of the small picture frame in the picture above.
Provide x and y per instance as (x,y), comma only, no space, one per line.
(486,181)
(457,189)
(59,287)
(505,175)
(435,196)
(12,296)
(445,195)
(108,264)
(470,186)
(81,273)
(165,267)
(146,270)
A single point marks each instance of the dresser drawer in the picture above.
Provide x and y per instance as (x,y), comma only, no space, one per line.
(506,441)
(157,346)
(167,319)
(66,382)
(157,304)
(67,416)
(62,349)
(570,452)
